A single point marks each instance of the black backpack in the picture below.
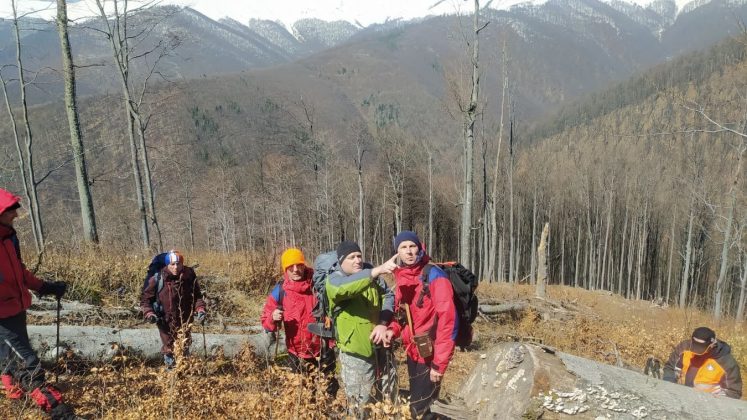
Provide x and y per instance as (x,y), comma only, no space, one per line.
(464,283)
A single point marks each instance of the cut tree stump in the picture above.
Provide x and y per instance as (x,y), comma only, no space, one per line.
(520,380)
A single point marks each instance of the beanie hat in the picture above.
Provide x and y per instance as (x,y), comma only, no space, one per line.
(407,235)
(346,248)
(291,256)
(702,338)
(8,201)
(174,256)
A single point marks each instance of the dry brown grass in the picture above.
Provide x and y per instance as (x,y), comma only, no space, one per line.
(248,388)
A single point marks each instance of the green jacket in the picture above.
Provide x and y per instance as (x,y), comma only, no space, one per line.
(360,303)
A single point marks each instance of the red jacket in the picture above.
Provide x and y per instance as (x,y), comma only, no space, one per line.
(437,315)
(15,279)
(297,299)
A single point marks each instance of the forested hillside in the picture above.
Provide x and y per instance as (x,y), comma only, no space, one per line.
(365,139)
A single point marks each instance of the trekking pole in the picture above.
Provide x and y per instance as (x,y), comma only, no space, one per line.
(57,360)
(204,341)
(278,327)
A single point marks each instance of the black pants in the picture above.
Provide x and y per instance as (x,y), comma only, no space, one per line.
(327,364)
(16,355)
(422,391)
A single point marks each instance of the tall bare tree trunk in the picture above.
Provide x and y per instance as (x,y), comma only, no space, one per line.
(542,264)
(671,256)
(621,270)
(578,257)
(31,193)
(533,262)
(512,238)
(493,216)
(562,253)
(470,115)
(688,256)
(606,242)
(359,167)
(742,289)
(430,200)
(641,253)
(71,107)
(721,282)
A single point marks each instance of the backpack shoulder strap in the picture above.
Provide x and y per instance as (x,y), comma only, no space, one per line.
(16,245)
(159,283)
(425,279)
(278,293)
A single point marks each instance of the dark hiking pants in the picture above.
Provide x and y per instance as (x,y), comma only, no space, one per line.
(16,355)
(422,391)
(168,333)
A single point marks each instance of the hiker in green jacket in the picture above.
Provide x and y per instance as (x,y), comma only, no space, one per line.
(362,305)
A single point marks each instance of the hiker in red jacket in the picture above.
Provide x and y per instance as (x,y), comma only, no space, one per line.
(291,303)
(432,322)
(172,299)
(21,370)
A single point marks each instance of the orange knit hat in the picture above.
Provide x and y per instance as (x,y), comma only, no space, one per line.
(291,256)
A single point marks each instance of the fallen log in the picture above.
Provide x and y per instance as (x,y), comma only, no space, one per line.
(520,380)
(503,308)
(96,343)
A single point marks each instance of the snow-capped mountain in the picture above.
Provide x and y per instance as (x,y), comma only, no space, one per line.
(609,39)
(357,13)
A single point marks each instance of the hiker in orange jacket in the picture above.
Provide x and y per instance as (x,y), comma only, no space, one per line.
(21,369)
(706,364)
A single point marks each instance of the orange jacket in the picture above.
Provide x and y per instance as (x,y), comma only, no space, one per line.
(715,371)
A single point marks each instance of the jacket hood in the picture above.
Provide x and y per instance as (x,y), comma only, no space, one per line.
(721,349)
(410,274)
(301,286)
(7,199)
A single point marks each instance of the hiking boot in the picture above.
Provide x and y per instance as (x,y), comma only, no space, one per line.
(169,361)
(12,390)
(63,411)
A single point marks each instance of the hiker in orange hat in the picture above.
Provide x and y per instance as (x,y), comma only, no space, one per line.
(291,304)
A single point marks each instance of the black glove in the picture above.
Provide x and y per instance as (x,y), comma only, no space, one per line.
(200,317)
(152,318)
(56,288)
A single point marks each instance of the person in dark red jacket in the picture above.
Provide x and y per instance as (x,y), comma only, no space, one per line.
(291,302)
(432,320)
(172,299)
(21,370)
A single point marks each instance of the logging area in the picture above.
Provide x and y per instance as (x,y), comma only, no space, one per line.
(571,354)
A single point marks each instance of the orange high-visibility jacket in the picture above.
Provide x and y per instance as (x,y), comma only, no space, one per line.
(716,371)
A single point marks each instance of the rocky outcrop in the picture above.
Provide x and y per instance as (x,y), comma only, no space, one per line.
(519,380)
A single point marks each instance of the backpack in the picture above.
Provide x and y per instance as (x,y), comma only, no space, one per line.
(154,269)
(464,283)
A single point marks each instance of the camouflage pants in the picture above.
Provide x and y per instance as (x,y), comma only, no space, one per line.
(359,375)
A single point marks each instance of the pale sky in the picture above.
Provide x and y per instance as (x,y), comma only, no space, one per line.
(365,12)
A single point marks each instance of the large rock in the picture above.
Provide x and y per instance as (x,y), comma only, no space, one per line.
(519,380)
